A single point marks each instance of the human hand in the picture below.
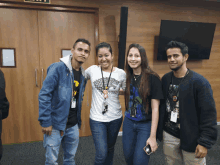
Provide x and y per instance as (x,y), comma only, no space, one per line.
(121,92)
(153,143)
(201,151)
(61,133)
(47,130)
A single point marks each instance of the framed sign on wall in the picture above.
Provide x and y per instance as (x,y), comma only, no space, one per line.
(38,1)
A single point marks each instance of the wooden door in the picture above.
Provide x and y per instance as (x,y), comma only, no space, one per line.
(59,30)
(38,37)
(19,30)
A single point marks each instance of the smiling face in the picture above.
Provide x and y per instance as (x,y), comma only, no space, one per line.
(80,52)
(175,58)
(134,58)
(105,58)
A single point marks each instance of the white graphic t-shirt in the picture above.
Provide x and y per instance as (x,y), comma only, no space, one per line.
(116,82)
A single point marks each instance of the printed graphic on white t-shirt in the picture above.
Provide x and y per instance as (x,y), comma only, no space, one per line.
(117,82)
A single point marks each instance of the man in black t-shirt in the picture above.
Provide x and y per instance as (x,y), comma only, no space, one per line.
(72,118)
(172,106)
(188,114)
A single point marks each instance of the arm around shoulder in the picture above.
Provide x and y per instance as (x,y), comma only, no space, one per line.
(123,83)
(88,72)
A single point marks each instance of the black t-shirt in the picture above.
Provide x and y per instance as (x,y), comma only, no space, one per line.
(72,118)
(172,127)
(155,93)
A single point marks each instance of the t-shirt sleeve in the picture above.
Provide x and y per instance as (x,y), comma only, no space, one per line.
(156,88)
(88,72)
(123,84)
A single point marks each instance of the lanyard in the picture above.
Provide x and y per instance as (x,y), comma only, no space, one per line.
(72,83)
(177,91)
(105,88)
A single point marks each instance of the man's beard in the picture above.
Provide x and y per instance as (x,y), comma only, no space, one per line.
(80,62)
(177,68)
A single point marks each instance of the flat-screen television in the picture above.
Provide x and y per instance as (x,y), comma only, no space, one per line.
(196,35)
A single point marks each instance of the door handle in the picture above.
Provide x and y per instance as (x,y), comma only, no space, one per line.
(36,77)
(42,78)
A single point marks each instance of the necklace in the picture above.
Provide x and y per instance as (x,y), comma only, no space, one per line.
(135,78)
(175,96)
(105,89)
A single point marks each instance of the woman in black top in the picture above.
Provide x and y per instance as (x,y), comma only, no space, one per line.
(142,99)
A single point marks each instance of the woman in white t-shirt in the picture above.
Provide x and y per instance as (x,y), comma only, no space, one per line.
(105,112)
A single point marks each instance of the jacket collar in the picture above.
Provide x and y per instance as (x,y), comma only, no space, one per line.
(67,61)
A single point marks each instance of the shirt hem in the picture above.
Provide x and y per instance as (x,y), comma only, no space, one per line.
(100,120)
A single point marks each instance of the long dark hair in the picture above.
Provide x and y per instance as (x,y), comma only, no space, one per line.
(144,89)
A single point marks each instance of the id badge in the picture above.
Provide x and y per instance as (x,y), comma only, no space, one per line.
(133,111)
(105,106)
(173,117)
(73,104)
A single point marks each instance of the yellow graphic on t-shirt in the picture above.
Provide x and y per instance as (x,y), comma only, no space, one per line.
(76,85)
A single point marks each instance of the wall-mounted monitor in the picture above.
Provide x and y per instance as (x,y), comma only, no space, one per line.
(196,35)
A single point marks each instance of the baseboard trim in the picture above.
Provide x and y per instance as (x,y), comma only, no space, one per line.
(218,123)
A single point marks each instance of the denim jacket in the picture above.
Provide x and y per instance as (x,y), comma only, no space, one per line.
(56,94)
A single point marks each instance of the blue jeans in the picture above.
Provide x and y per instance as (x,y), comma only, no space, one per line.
(135,135)
(69,140)
(104,137)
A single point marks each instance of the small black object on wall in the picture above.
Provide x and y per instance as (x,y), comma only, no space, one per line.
(122,37)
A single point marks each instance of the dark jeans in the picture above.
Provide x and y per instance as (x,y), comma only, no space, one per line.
(135,135)
(104,136)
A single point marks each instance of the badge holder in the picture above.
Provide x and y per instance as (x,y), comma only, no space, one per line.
(173,117)
(104,107)
(73,104)
(133,111)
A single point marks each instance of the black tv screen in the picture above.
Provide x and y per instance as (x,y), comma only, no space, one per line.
(196,35)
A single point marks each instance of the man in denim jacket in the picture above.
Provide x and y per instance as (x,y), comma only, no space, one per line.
(60,102)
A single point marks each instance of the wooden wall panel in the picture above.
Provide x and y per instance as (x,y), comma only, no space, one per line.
(18,29)
(38,37)
(144,24)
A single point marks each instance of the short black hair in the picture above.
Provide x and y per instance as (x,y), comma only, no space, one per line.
(176,44)
(81,40)
(103,45)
